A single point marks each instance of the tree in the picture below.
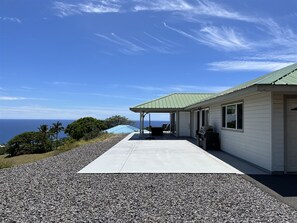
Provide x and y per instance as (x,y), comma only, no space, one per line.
(55,130)
(84,126)
(117,120)
(27,142)
(43,129)
(45,134)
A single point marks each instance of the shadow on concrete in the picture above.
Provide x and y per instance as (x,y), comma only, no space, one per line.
(284,185)
(165,136)
(239,164)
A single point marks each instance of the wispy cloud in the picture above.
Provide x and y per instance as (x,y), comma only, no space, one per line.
(11,19)
(39,112)
(188,35)
(194,88)
(118,96)
(280,35)
(223,37)
(89,94)
(143,43)
(163,5)
(192,10)
(98,7)
(280,55)
(218,37)
(247,65)
(147,88)
(127,47)
(160,48)
(17,98)
(64,83)
(161,40)
(26,88)
(203,16)
(180,88)
(10,98)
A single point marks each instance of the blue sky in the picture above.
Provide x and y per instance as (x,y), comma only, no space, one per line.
(70,59)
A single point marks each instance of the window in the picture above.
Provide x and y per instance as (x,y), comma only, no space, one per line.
(232,116)
(204,118)
(198,120)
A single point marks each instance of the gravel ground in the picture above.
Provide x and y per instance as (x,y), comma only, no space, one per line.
(51,191)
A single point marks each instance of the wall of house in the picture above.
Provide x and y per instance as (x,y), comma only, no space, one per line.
(194,126)
(278,129)
(277,132)
(184,124)
(254,142)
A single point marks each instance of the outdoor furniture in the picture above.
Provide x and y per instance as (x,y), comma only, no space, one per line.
(164,126)
(167,128)
(157,131)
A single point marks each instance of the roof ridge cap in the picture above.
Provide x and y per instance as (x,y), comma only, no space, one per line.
(284,76)
(195,93)
(266,76)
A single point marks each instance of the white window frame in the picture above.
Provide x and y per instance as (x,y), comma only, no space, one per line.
(226,110)
(201,119)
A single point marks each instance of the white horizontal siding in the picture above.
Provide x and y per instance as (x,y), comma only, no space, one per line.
(278,129)
(184,124)
(193,125)
(215,117)
(278,132)
(254,142)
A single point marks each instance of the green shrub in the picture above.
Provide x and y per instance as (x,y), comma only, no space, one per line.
(92,135)
(117,120)
(28,142)
(84,126)
(2,150)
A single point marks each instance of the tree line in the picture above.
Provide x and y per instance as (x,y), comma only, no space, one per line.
(47,137)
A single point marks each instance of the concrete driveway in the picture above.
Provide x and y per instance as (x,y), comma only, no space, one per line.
(162,156)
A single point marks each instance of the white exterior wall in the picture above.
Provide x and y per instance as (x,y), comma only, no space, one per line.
(184,124)
(278,132)
(254,142)
(194,126)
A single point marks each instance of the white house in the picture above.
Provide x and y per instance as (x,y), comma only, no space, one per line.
(256,121)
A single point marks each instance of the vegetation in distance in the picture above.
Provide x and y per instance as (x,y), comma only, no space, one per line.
(32,146)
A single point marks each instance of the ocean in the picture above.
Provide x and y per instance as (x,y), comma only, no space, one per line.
(12,127)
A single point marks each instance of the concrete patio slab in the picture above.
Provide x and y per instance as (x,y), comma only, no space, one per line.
(162,156)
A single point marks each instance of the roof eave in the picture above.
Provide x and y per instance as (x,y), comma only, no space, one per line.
(277,88)
(156,110)
(220,98)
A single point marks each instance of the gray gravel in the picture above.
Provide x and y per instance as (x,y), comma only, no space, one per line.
(51,191)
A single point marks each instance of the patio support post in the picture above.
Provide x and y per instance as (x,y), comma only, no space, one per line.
(141,123)
(177,123)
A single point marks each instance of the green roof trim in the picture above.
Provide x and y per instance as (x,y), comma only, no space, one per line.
(284,76)
(173,101)
(179,101)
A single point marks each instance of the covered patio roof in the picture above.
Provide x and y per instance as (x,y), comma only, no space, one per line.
(172,102)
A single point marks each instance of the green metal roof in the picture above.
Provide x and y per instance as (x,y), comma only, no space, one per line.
(284,76)
(172,101)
